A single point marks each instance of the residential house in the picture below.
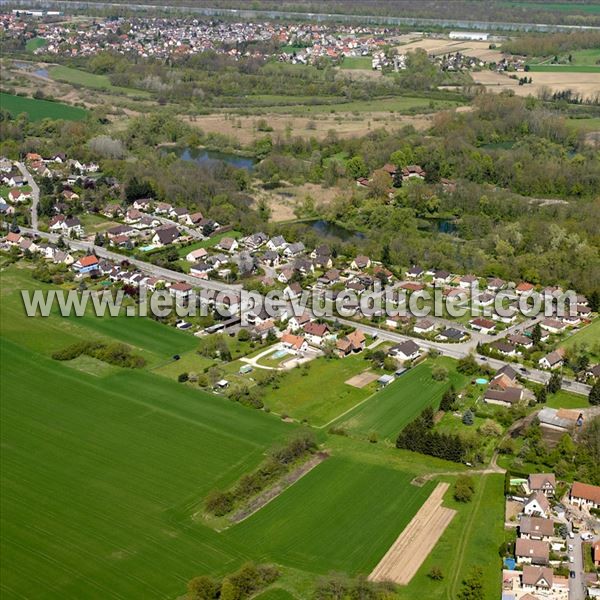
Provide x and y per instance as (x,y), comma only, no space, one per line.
(66,225)
(505,348)
(553,326)
(537,579)
(180,213)
(503,397)
(228,244)
(357,339)
(180,290)
(330,277)
(262,329)
(201,270)
(361,262)
(270,258)
(196,255)
(277,243)
(315,333)
(6,209)
(285,275)
(466,281)
(542,482)
(303,266)
(441,277)
(407,350)
(495,284)
(415,272)
(133,215)
(452,335)
(413,172)
(164,236)
(524,289)
(553,360)
(86,264)
(298,322)
(70,195)
(536,528)
(18,195)
(194,219)
(535,552)
(163,208)
(112,210)
(292,290)
(520,340)
(296,343)
(295,249)
(142,204)
(256,240)
(536,505)
(485,326)
(424,326)
(584,495)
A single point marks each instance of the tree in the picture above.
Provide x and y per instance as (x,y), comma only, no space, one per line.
(229,591)
(202,588)
(541,395)
(468,417)
(435,573)
(356,167)
(439,373)
(594,301)
(594,396)
(473,585)
(467,365)
(536,334)
(464,488)
(448,400)
(554,383)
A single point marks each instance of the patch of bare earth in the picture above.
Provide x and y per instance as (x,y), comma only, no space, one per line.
(265,497)
(414,544)
(362,379)
(586,84)
(244,129)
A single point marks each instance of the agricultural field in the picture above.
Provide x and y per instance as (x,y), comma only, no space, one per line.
(390,410)
(41,109)
(111,449)
(331,503)
(356,62)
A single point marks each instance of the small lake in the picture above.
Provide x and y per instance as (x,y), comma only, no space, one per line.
(211,157)
(329,229)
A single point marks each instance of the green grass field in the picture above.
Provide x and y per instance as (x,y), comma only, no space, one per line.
(356,62)
(592,9)
(292,528)
(398,104)
(34,44)
(585,125)
(322,394)
(41,109)
(211,242)
(566,399)
(391,409)
(91,80)
(589,336)
(563,69)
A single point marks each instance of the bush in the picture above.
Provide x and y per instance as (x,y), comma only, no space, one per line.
(464,488)
(435,573)
(112,353)
(183,377)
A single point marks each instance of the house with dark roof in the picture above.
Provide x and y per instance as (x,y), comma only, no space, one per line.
(407,350)
(535,552)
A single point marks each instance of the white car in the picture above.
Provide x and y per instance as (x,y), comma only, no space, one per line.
(587,536)
(571,535)
(571,559)
(570,547)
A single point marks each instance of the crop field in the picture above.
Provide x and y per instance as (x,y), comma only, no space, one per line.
(570,7)
(305,526)
(40,109)
(388,411)
(564,69)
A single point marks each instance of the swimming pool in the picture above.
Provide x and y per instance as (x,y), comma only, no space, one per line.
(147,248)
(280,353)
(481,381)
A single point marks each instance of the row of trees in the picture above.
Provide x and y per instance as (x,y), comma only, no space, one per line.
(279,460)
(112,353)
(419,436)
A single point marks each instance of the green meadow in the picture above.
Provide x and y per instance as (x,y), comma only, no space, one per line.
(40,109)
(91,80)
(390,410)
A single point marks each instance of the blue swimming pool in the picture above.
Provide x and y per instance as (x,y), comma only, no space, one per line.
(481,381)
(280,353)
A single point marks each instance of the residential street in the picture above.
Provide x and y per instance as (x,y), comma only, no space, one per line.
(35,193)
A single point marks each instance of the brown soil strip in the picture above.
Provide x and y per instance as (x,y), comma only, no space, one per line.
(414,544)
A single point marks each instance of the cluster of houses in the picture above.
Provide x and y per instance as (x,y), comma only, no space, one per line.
(504,389)
(540,548)
(165,37)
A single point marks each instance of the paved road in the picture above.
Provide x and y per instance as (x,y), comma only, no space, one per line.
(577,589)
(35,194)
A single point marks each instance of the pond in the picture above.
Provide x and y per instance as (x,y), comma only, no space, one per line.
(329,229)
(439,225)
(212,157)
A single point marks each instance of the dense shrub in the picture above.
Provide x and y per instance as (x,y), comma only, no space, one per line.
(112,353)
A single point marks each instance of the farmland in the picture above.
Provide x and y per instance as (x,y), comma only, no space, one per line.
(390,410)
(38,109)
(113,449)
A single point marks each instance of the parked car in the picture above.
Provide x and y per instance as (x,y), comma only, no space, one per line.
(572,574)
(587,536)
(570,547)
